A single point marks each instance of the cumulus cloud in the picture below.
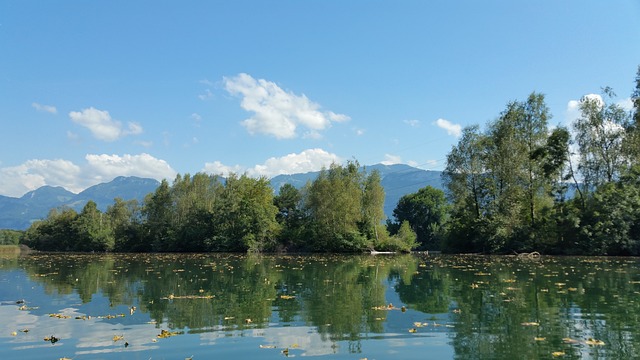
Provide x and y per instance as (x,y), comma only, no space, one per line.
(451,128)
(572,113)
(391,159)
(626,104)
(277,112)
(303,162)
(102,126)
(45,108)
(106,167)
(218,168)
(32,174)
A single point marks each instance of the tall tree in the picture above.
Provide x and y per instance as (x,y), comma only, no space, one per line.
(600,136)
(372,206)
(158,213)
(466,180)
(94,232)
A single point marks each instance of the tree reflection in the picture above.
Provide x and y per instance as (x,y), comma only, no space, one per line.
(491,307)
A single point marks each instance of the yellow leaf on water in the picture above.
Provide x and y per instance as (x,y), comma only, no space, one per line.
(570,341)
(118,337)
(539,339)
(530,324)
(557,353)
(594,342)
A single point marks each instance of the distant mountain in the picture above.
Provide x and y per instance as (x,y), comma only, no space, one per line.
(19,213)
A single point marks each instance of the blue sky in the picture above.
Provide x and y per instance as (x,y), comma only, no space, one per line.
(91,90)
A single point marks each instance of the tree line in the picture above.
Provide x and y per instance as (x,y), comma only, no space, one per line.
(518,185)
(521,185)
(340,211)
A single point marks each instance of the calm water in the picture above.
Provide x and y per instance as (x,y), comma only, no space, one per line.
(332,307)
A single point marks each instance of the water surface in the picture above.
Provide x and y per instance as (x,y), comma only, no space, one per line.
(201,306)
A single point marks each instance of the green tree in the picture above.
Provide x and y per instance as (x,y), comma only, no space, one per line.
(466,180)
(611,224)
(600,135)
(372,206)
(344,208)
(126,222)
(157,214)
(425,211)
(93,230)
(55,233)
(245,216)
(290,217)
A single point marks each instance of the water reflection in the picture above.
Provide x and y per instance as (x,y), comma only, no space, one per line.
(115,306)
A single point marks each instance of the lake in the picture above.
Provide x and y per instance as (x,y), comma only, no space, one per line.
(416,306)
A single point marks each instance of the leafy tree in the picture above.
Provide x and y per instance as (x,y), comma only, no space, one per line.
(125,220)
(600,135)
(55,233)
(93,230)
(157,213)
(290,217)
(425,211)
(10,237)
(344,209)
(372,206)
(245,216)
(612,220)
(465,178)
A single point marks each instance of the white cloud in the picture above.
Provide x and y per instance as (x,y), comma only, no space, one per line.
(412,123)
(45,108)
(626,104)
(32,174)
(391,159)
(306,161)
(106,167)
(277,112)
(451,128)
(218,168)
(102,126)
(206,95)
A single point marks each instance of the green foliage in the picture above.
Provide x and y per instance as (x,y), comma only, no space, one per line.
(425,211)
(10,237)
(344,208)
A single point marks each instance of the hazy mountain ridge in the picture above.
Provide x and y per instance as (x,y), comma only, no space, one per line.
(19,213)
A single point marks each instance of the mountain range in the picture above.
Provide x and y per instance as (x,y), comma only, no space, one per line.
(19,213)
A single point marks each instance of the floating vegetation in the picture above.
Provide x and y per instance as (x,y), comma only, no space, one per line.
(166,333)
(176,297)
(52,339)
